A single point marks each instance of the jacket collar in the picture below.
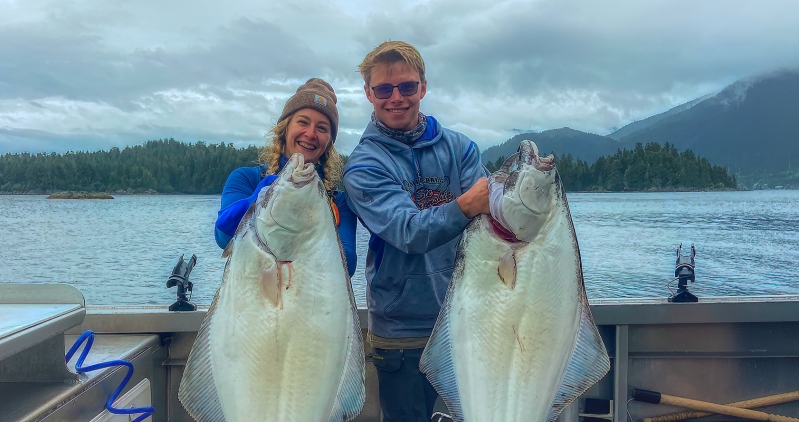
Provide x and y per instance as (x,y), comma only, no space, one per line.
(431,135)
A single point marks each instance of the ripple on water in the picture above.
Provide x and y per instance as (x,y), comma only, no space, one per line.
(121,251)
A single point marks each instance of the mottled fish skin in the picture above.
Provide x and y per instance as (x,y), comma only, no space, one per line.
(282,340)
(515,340)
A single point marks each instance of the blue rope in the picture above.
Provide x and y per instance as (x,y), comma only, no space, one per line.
(89,334)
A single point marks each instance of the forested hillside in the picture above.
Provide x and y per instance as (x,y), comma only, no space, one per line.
(750,127)
(651,120)
(649,167)
(164,166)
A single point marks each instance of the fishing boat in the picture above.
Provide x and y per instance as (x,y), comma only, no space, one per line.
(719,350)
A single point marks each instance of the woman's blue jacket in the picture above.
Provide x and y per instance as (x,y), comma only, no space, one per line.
(241,190)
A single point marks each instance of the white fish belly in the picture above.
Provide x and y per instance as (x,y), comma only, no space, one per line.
(511,343)
(281,361)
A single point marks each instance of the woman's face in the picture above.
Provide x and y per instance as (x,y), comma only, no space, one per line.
(308,133)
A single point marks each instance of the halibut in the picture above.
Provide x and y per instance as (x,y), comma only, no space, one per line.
(281,341)
(515,339)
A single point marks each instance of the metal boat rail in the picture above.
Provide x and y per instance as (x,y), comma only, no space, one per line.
(720,350)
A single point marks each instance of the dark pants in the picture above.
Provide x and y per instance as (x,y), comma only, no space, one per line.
(405,393)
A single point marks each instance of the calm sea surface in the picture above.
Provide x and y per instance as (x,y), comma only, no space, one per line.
(121,251)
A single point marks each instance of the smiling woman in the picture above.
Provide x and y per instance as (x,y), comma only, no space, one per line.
(308,125)
(308,133)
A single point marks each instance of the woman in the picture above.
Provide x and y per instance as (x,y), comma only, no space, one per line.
(308,125)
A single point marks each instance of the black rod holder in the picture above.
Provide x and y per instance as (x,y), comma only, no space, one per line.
(684,272)
(180,278)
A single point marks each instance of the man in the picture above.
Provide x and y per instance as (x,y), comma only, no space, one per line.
(415,186)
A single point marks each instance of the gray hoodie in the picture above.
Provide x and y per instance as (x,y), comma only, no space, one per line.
(405,196)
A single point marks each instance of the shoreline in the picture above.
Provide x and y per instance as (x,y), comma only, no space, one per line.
(153,193)
(79,195)
(569,192)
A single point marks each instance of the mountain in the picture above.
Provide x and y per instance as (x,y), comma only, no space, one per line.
(751,127)
(649,121)
(581,145)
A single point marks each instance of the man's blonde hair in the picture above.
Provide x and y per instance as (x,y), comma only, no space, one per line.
(331,162)
(391,52)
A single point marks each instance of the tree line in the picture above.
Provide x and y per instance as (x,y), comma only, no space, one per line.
(163,166)
(645,167)
(169,166)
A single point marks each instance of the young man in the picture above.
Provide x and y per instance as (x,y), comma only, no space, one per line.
(415,186)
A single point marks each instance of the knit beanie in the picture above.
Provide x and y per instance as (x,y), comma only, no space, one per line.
(318,95)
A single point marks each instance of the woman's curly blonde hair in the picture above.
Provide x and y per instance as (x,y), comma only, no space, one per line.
(331,162)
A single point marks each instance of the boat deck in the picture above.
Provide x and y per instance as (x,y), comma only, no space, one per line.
(719,350)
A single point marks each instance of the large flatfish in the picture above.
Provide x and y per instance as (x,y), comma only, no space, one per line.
(515,339)
(281,341)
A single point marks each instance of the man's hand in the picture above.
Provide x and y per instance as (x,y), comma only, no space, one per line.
(475,200)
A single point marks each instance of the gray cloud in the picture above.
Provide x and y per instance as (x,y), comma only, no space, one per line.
(98,74)
(44,63)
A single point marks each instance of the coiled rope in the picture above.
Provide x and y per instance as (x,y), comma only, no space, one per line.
(88,336)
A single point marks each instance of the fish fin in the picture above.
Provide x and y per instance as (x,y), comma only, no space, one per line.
(243,223)
(272,284)
(228,250)
(587,365)
(436,362)
(351,390)
(197,391)
(507,269)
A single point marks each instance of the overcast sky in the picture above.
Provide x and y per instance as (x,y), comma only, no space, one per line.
(92,74)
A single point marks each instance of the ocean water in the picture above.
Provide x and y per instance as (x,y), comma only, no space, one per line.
(121,251)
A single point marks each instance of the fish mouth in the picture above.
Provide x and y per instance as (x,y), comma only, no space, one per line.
(525,156)
(528,154)
(299,172)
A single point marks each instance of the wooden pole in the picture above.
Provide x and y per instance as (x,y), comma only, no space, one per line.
(657,398)
(746,404)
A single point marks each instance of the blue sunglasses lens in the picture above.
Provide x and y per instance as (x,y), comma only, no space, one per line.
(383,91)
(406,89)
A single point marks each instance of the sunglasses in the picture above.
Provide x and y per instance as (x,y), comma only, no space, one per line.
(384,92)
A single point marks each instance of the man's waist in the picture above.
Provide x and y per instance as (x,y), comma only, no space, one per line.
(378,342)
(392,333)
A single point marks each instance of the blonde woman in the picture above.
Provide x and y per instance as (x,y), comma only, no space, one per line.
(308,125)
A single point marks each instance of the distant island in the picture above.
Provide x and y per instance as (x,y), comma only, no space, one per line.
(649,167)
(80,195)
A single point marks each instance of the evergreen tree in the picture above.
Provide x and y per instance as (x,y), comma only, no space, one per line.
(645,167)
(164,166)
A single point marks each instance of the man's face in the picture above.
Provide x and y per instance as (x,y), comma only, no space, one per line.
(397,112)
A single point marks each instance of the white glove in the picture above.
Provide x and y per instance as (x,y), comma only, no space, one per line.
(496,192)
